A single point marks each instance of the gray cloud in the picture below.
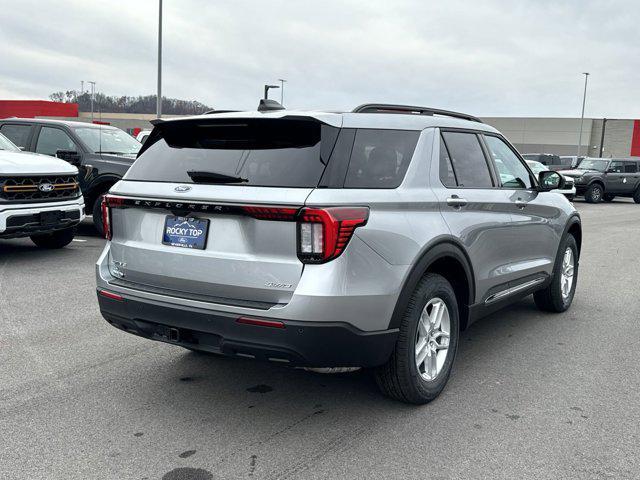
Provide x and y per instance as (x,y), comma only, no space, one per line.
(489,57)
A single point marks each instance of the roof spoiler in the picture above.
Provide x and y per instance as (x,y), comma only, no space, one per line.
(410,109)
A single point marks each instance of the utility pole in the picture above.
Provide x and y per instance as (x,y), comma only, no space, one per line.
(159,97)
(584,99)
(282,82)
(93,92)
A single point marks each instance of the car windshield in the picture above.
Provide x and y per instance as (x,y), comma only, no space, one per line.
(108,140)
(591,164)
(6,144)
(536,167)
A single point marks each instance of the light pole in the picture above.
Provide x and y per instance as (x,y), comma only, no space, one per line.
(282,82)
(266,90)
(93,92)
(584,99)
(159,95)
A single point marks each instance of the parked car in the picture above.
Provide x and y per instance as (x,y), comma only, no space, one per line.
(143,135)
(39,197)
(601,179)
(361,239)
(101,153)
(569,189)
(571,161)
(551,161)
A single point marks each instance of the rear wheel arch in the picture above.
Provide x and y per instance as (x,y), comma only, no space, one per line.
(98,188)
(448,259)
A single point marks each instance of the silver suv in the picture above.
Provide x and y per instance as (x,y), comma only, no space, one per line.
(361,239)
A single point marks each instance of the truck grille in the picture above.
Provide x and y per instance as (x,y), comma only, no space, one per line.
(42,188)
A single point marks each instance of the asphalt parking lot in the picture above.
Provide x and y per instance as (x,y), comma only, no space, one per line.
(532,395)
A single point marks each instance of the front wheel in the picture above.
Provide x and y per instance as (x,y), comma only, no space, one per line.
(558,296)
(421,362)
(57,239)
(594,193)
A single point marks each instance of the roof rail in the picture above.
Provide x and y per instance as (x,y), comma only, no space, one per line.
(388,108)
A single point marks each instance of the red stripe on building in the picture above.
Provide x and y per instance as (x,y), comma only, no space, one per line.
(635,139)
(37,108)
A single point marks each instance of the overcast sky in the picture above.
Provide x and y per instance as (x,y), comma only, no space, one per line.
(493,57)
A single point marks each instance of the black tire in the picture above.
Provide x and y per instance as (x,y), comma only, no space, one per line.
(636,196)
(594,193)
(571,198)
(97,215)
(400,378)
(608,197)
(57,239)
(550,299)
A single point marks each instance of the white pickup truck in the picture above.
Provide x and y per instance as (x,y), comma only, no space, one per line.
(40,197)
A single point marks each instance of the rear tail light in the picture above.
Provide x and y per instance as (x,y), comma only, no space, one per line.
(111,295)
(261,322)
(109,202)
(323,233)
(271,213)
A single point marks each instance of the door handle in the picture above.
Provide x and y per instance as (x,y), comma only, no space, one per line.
(456,202)
(520,203)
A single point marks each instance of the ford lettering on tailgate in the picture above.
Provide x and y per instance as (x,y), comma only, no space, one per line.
(186,232)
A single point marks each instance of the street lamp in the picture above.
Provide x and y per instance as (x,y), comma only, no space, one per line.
(282,82)
(93,93)
(159,95)
(267,88)
(584,99)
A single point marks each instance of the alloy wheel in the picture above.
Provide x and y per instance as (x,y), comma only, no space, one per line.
(432,339)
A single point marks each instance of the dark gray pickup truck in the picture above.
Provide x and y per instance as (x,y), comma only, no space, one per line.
(102,153)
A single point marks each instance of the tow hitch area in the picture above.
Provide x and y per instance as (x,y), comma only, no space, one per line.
(174,335)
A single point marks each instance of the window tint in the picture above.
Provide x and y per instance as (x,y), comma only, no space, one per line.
(467,158)
(630,167)
(513,174)
(379,158)
(262,152)
(617,167)
(51,140)
(447,176)
(18,134)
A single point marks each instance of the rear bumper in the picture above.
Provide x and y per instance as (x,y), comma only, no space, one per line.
(21,220)
(330,344)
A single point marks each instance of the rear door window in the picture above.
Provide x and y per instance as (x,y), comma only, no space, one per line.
(468,160)
(630,167)
(447,175)
(18,134)
(379,158)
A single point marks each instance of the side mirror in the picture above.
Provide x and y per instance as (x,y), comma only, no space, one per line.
(550,180)
(70,156)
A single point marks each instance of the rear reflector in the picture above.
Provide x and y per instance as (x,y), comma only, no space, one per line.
(112,296)
(260,322)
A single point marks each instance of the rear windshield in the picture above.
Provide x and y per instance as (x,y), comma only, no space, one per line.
(256,152)
(274,153)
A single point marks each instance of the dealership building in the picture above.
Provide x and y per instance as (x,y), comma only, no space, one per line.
(600,137)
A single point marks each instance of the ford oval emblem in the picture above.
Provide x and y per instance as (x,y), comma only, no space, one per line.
(45,187)
(182,188)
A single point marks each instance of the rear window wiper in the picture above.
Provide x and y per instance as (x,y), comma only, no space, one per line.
(213,177)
